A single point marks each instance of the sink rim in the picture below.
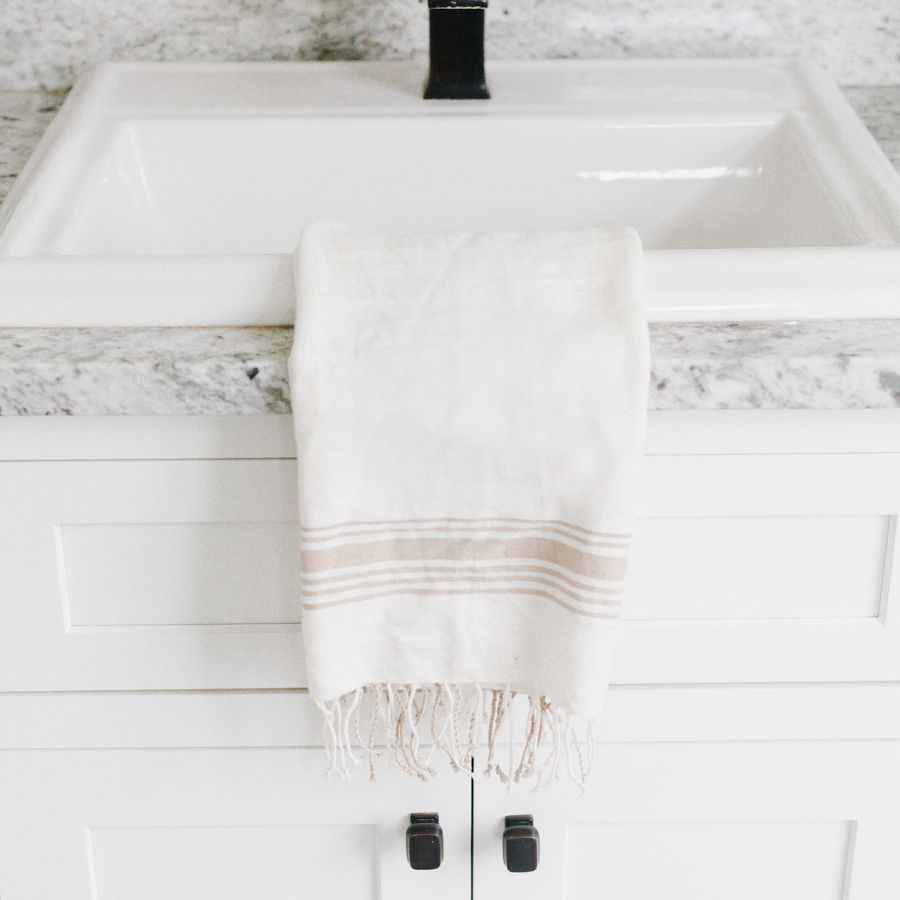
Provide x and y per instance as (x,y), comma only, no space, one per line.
(256,289)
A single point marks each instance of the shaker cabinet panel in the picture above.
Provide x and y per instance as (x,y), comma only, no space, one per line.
(787,821)
(775,567)
(164,574)
(706,861)
(153,574)
(218,824)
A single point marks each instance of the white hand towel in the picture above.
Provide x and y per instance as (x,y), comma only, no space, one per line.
(469,412)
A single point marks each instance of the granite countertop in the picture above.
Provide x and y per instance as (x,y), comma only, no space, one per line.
(217,371)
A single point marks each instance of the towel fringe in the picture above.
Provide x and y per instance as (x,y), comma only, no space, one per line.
(410,722)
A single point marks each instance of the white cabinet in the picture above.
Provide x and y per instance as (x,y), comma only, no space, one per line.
(755,560)
(156,740)
(688,821)
(216,824)
(684,821)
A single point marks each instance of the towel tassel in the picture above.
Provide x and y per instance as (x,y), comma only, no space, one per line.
(410,722)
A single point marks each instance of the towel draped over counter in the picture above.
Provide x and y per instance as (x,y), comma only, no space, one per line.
(469,412)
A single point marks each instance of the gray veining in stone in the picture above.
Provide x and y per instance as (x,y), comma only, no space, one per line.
(47,43)
(214,371)
(776,365)
(143,371)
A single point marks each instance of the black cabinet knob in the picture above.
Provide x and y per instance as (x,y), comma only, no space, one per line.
(521,844)
(424,841)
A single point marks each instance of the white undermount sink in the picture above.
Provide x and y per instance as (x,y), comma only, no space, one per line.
(174,194)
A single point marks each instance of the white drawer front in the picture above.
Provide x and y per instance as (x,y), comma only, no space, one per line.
(223,824)
(280,862)
(149,574)
(182,573)
(708,860)
(759,567)
(788,821)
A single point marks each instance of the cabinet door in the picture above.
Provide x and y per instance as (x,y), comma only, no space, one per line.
(786,821)
(217,825)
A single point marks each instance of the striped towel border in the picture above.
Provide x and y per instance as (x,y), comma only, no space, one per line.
(579,569)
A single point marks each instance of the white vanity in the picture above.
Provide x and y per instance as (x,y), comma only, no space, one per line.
(155,736)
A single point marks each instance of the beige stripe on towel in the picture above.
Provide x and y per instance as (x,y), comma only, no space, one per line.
(451,520)
(357,553)
(387,575)
(462,579)
(510,592)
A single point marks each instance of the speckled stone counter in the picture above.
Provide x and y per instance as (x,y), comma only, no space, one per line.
(48,42)
(216,371)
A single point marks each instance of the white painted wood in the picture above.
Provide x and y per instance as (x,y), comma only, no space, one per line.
(40,645)
(728,431)
(791,821)
(26,438)
(704,860)
(219,573)
(154,553)
(223,824)
(769,431)
(161,719)
(740,484)
(216,861)
(738,649)
(144,574)
(758,567)
(180,573)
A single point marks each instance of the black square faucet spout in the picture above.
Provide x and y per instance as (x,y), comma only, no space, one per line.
(456,54)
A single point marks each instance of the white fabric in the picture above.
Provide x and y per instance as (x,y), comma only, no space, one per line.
(469,412)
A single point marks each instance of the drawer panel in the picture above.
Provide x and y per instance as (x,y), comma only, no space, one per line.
(149,574)
(218,573)
(180,573)
(279,862)
(745,860)
(158,574)
(759,567)
(791,821)
(228,824)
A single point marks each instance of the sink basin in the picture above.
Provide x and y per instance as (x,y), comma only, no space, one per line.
(174,194)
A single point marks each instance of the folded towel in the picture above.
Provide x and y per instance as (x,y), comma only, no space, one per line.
(469,412)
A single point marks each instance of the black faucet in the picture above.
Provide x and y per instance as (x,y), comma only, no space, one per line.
(456,36)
